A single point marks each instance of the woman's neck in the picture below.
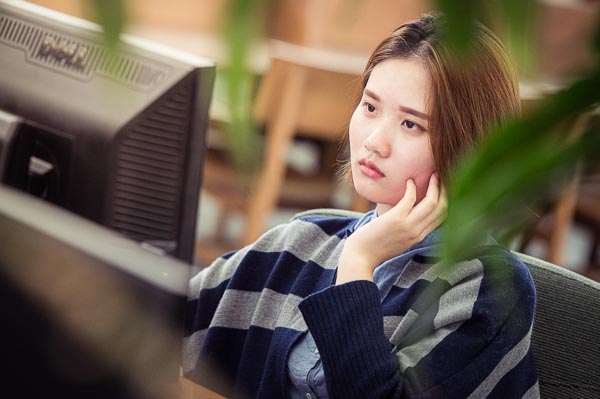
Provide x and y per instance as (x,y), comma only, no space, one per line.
(380,209)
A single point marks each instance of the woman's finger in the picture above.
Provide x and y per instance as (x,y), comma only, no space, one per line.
(433,189)
(407,202)
(429,203)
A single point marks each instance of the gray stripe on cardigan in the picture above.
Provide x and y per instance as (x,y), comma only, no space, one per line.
(190,352)
(267,309)
(533,392)
(455,306)
(453,274)
(325,254)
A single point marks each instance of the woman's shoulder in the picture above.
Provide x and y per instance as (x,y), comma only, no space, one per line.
(494,269)
(504,279)
(314,226)
(499,262)
(307,237)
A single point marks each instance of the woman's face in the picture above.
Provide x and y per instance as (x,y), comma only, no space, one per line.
(389,134)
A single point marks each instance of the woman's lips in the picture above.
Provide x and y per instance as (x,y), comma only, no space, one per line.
(369,169)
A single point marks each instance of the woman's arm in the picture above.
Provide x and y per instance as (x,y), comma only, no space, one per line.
(346,322)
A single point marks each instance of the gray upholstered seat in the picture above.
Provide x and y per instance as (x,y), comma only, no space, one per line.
(566,331)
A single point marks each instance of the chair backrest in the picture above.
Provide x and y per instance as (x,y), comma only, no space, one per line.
(566,331)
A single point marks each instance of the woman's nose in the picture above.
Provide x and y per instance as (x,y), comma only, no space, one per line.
(378,142)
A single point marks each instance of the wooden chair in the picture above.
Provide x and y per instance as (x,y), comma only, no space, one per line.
(298,98)
(306,93)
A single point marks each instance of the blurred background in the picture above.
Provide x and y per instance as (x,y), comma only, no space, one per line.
(302,60)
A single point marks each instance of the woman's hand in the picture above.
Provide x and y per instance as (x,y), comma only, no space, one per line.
(392,233)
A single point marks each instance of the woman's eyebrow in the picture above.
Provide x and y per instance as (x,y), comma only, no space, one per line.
(414,112)
(372,95)
(402,108)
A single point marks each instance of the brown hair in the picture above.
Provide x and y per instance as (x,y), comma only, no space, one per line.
(468,97)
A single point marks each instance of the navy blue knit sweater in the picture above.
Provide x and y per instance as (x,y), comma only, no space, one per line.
(456,332)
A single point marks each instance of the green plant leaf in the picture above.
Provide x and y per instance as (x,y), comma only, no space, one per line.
(525,163)
(520,18)
(242,30)
(460,19)
(111,15)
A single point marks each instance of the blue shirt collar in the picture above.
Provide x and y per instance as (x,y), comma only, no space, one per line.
(388,272)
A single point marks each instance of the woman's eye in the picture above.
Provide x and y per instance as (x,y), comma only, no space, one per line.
(412,126)
(369,107)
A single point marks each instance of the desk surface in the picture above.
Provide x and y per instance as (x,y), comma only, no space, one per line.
(191,390)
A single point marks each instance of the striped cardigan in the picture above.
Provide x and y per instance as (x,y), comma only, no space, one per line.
(455,332)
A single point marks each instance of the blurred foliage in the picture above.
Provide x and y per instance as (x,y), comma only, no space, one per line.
(513,20)
(111,15)
(518,168)
(244,27)
(524,165)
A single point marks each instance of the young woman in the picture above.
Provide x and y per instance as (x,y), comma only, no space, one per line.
(331,307)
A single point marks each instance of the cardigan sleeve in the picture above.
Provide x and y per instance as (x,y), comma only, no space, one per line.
(486,354)
(347,324)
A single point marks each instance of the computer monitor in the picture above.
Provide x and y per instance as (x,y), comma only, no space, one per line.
(85,311)
(116,137)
